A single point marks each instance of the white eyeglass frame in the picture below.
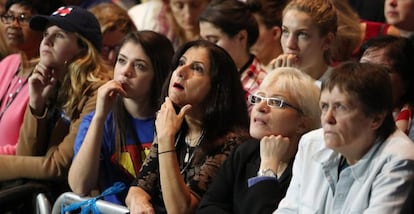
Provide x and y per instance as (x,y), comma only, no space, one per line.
(274,102)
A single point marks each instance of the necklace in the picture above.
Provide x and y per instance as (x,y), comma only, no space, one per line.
(190,151)
(190,145)
(9,96)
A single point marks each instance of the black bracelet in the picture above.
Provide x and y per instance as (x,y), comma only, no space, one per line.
(173,150)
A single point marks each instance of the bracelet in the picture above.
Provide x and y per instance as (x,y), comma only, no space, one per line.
(172,150)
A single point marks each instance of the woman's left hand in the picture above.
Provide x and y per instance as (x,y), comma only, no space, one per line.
(168,122)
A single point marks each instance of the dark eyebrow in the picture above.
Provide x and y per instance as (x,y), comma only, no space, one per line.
(198,62)
(25,12)
(134,59)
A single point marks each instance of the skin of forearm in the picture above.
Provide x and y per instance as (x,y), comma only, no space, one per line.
(176,194)
(84,171)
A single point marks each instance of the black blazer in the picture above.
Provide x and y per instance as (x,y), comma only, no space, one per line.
(229,192)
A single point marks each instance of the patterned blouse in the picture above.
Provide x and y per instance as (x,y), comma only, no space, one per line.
(197,172)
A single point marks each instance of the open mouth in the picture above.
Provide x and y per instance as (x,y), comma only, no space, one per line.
(13,35)
(259,121)
(124,85)
(178,86)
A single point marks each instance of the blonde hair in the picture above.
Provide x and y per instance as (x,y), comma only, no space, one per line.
(302,88)
(112,17)
(84,74)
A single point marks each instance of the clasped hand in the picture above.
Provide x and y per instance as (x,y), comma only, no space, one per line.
(274,149)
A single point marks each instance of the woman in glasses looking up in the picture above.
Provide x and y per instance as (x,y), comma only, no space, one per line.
(256,176)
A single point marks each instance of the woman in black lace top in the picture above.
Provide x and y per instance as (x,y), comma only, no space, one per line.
(202,120)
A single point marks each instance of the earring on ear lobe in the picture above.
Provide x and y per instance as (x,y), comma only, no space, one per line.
(66,62)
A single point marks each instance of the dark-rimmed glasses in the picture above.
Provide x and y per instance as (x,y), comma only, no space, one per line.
(21,19)
(273,102)
(106,49)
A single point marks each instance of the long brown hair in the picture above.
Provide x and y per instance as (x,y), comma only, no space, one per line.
(160,52)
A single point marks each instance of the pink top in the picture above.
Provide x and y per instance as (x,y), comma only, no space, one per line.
(12,118)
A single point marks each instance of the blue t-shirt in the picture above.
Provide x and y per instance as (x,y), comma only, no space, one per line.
(132,157)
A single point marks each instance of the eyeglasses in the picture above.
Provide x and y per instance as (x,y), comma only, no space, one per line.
(272,102)
(106,49)
(21,19)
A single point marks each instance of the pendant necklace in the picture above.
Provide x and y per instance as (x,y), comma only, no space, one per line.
(190,151)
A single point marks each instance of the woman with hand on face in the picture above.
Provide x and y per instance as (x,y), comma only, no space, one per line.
(113,141)
(308,30)
(16,68)
(62,90)
(203,118)
(256,176)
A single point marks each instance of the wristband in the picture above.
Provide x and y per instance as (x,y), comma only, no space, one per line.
(168,151)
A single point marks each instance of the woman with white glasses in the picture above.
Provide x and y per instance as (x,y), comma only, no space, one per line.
(256,176)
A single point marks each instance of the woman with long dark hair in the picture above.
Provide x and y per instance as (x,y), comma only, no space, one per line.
(203,118)
(113,141)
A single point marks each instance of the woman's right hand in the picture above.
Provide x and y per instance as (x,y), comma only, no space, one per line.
(284,60)
(107,94)
(42,84)
(168,122)
(138,201)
